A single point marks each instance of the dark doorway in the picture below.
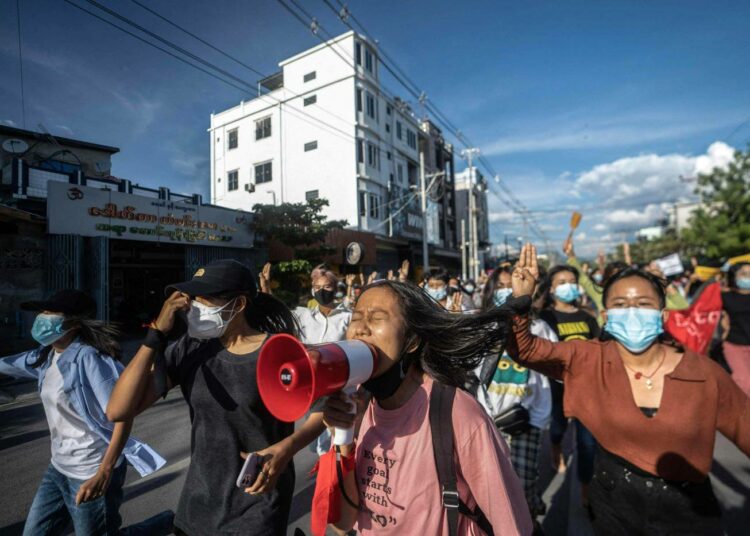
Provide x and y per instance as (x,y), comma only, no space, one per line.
(139,271)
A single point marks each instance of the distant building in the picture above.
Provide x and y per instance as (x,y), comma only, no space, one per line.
(475,185)
(323,127)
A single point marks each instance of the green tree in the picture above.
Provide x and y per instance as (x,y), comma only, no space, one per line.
(721,228)
(302,227)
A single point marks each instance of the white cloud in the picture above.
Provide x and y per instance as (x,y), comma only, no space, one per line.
(8,122)
(640,189)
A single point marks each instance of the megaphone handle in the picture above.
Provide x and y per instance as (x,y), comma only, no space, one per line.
(345,436)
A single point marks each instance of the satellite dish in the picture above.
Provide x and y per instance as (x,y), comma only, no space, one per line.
(15,146)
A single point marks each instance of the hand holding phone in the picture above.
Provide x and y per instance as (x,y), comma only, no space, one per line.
(249,472)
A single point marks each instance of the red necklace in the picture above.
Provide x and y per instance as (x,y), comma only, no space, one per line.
(638,375)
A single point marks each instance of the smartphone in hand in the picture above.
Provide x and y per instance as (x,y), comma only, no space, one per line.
(249,472)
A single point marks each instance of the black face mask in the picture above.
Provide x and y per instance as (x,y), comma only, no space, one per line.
(386,384)
(324,297)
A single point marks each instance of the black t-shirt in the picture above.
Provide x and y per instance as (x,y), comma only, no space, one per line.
(571,326)
(227,416)
(738,307)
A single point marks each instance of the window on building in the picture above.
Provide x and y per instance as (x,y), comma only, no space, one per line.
(310,195)
(263,128)
(311,145)
(369,60)
(398,129)
(233,180)
(411,139)
(375,206)
(263,172)
(233,139)
(372,154)
(359,100)
(387,127)
(400,170)
(370,105)
(360,151)
(310,76)
(387,109)
(362,204)
(388,155)
(312,99)
(391,181)
(358,52)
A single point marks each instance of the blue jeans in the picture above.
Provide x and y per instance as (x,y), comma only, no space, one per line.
(54,507)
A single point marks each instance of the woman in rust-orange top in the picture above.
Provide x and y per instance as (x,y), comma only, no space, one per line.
(653,408)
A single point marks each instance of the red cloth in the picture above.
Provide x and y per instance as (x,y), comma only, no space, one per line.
(694,327)
(326,503)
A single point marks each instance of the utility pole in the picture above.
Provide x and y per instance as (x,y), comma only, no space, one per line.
(423,195)
(463,249)
(469,154)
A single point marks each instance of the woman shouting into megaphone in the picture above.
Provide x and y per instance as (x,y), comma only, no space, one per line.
(427,459)
(214,364)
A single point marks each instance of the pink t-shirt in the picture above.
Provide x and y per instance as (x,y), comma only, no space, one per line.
(398,485)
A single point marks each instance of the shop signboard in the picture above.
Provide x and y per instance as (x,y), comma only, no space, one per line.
(81,210)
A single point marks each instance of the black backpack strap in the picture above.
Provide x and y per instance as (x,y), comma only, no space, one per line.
(441,427)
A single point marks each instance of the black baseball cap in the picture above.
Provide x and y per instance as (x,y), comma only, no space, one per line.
(219,277)
(70,302)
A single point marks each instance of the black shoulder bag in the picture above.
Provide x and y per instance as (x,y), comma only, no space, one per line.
(441,427)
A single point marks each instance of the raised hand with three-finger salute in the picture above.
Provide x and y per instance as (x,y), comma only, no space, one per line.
(526,272)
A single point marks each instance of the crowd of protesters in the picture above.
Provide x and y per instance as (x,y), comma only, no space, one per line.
(470,376)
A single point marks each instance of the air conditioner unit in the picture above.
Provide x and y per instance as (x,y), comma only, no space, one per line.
(249,188)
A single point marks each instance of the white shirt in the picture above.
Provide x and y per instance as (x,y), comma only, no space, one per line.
(316,328)
(76,451)
(513,384)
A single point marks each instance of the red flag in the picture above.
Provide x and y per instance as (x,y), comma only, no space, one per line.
(694,327)
(326,503)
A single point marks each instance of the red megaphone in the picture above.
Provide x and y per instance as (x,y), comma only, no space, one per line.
(291,376)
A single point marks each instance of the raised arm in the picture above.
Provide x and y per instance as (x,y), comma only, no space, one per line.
(142,383)
(593,290)
(549,358)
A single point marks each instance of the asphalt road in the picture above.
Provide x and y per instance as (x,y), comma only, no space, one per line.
(24,455)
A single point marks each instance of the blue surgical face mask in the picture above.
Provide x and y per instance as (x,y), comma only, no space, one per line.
(743,283)
(597,278)
(47,328)
(635,328)
(437,294)
(567,292)
(501,296)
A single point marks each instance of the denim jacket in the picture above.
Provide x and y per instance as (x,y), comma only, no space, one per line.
(88,379)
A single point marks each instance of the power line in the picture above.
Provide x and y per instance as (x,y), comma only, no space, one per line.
(414,89)
(293,111)
(20,63)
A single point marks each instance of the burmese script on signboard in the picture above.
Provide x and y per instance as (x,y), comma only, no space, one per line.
(85,211)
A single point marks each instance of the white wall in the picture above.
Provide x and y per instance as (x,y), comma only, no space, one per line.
(333,122)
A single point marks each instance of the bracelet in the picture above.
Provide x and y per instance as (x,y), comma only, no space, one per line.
(155,339)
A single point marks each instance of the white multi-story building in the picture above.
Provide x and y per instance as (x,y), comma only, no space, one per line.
(323,128)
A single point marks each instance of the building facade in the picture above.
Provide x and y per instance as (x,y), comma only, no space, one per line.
(323,127)
(471,182)
(65,222)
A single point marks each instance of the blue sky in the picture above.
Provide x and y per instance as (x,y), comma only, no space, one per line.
(596,105)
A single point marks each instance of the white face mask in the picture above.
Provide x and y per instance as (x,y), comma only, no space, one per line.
(207,322)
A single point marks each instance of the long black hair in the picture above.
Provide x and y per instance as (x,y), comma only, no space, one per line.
(265,313)
(545,287)
(488,294)
(451,345)
(103,336)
